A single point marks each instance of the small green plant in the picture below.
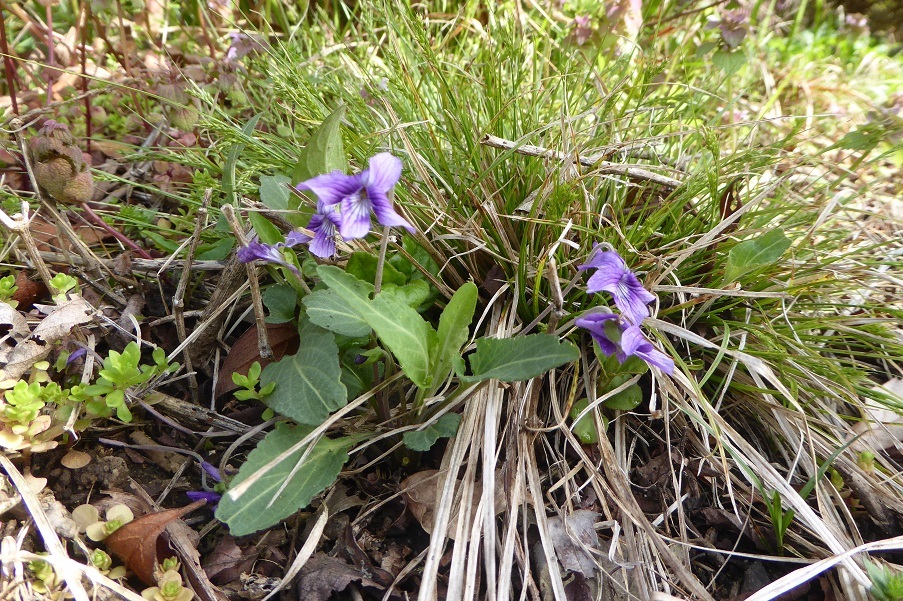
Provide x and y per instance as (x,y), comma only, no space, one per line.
(780,519)
(62,284)
(120,372)
(251,387)
(101,560)
(887,584)
(22,421)
(169,586)
(7,289)
(250,384)
(87,517)
(46,581)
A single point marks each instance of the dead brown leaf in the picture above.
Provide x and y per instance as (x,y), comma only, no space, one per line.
(421,494)
(323,575)
(881,428)
(136,542)
(227,561)
(573,536)
(58,323)
(28,291)
(283,339)
(48,237)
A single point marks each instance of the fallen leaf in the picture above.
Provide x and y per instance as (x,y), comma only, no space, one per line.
(58,323)
(28,291)
(227,561)
(13,327)
(421,494)
(48,238)
(136,542)
(283,339)
(573,536)
(323,575)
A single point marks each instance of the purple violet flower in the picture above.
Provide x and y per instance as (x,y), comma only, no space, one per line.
(614,277)
(212,471)
(76,355)
(271,253)
(212,498)
(324,224)
(615,337)
(359,194)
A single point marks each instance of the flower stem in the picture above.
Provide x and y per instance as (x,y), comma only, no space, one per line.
(384,245)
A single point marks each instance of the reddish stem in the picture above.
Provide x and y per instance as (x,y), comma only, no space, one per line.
(96,219)
(8,65)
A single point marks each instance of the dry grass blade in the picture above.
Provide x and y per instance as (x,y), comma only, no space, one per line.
(798,577)
(64,563)
(310,545)
(51,540)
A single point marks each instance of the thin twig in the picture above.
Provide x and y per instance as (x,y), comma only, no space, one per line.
(380,263)
(128,242)
(263,342)
(603,167)
(178,301)
(139,265)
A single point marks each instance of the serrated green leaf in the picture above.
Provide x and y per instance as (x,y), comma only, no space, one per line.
(400,328)
(363,266)
(454,329)
(324,151)
(308,383)
(520,358)
(266,231)
(755,253)
(423,440)
(280,300)
(412,294)
(274,192)
(330,310)
(253,511)
(729,62)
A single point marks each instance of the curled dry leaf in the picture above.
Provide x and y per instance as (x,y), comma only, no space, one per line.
(136,542)
(58,323)
(422,492)
(323,575)
(228,561)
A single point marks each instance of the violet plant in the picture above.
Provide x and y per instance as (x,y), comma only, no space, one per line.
(619,335)
(359,326)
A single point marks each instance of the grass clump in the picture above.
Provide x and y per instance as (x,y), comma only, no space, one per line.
(740,178)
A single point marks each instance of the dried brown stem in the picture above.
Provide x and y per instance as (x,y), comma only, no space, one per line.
(602,167)
(263,342)
(178,300)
